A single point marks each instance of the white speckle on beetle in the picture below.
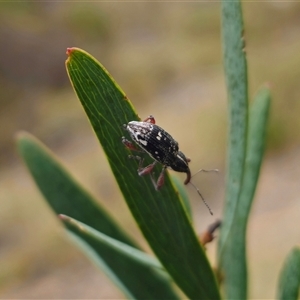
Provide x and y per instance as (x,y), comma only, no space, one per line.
(158,137)
(143,142)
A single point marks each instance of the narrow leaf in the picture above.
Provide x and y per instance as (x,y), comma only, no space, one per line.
(184,196)
(115,245)
(258,119)
(160,215)
(98,261)
(289,281)
(66,196)
(237,89)
(234,263)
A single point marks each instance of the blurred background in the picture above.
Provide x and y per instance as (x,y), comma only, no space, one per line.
(167,57)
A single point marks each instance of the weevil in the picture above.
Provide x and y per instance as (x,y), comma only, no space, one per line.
(162,147)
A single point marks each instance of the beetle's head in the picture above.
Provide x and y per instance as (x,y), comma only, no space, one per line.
(181,164)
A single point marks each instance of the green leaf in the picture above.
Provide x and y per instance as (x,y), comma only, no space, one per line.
(234,264)
(236,79)
(184,196)
(244,155)
(85,246)
(66,196)
(160,215)
(237,89)
(258,119)
(115,245)
(289,281)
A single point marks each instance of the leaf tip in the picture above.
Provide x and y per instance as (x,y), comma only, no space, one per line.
(20,135)
(70,221)
(268,85)
(69,53)
(70,50)
(63,217)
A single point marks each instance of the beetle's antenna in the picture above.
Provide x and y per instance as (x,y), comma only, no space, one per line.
(198,191)
(210,211)
(203,170)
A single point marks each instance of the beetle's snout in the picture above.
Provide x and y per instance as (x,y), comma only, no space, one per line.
(188,176)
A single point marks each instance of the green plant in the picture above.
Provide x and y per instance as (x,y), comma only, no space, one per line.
(163,217)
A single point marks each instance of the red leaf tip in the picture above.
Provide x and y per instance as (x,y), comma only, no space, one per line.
(69,51)
(63,217)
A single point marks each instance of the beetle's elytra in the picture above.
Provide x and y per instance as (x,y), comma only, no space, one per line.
(160,145)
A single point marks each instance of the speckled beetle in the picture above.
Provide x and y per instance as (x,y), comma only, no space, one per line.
(162,147)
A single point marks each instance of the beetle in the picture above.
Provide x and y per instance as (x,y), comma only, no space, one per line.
(162,147)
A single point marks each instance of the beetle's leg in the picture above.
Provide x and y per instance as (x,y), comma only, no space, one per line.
(150,119)
(129,145)
(142,171)
(161,179)
(140,159)
(146,170)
